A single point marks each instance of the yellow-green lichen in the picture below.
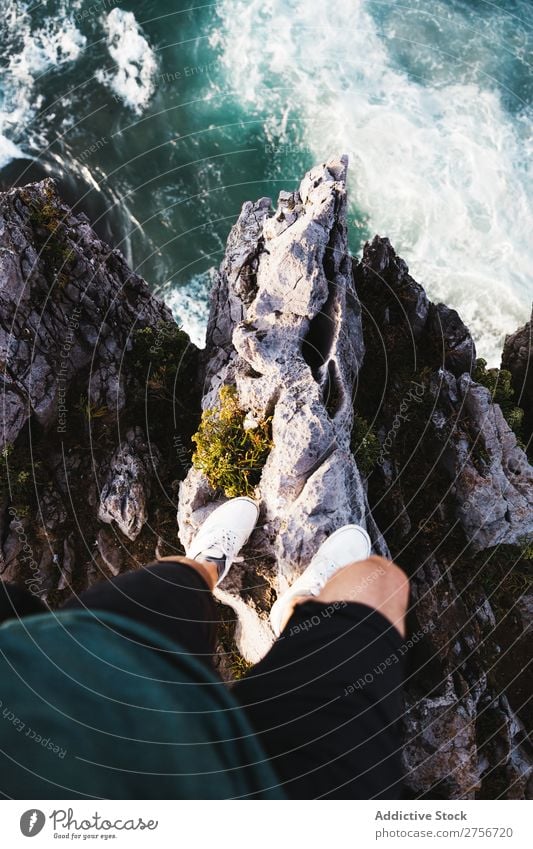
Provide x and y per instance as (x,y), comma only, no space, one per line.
(499,384)
(365,445)
(230,455)
(48,222)
(18,477)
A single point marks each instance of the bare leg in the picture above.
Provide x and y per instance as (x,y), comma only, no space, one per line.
(377,582)
(326,701)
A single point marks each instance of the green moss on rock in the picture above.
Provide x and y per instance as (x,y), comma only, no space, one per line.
(505,573)
(230,455)
(166,395)
(18,477)
(48,224)
(499,384)
(365,445)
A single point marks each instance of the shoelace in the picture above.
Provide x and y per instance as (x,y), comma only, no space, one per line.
(226,541)
(229,544)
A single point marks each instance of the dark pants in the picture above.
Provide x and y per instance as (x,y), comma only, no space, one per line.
(326,700)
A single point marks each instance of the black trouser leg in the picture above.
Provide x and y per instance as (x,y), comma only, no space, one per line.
(171,598)
(326,702)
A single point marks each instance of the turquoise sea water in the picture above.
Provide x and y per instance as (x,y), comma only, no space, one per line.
(160,119)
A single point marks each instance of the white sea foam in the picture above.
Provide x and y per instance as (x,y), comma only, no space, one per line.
(57,41)
(33,51)
(9,151)
(437,163)
(190,305)
(136,64)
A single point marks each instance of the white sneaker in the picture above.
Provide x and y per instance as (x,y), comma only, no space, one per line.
(224,533)
(346,545)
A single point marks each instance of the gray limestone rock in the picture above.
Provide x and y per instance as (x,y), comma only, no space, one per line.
(517,358)
(127,487)
(70,309)
(491,476)
(285,328)
(452,479)
(68,303)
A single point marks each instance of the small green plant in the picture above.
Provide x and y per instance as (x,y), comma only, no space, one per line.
(506,573)
(237,666)
(91,411)
(166,391)
(47,221)
(499,384)
(161,353)
(17,477)
(232,660)
(365,445)
(230,455)
(526,547)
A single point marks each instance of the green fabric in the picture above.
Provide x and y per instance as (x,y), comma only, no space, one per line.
(88,712)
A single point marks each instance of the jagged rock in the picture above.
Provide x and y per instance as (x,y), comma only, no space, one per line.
(13,554)
(398,295)
(67,563)
(491,476)
(511,749)
(492,481)
(47,577)
(53,511)
(525,609)
(68,303)
(110,550)
(517,358)
(400,302)
(290,340)
(440,753)
(445,753)
(444,758)
(125,493)
(70,311)
(451,478)
(445,328)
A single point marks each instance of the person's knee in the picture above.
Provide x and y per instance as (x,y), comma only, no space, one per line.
(376,573)
(390,575)
(377,582)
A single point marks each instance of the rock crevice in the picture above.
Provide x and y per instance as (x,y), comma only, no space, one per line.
(292,348)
